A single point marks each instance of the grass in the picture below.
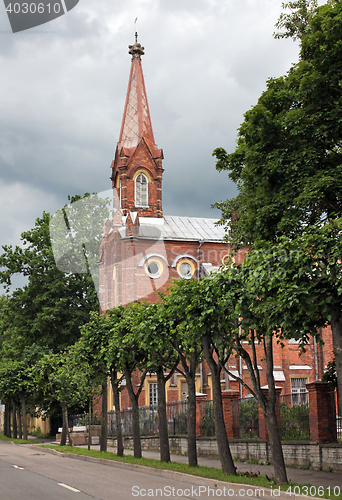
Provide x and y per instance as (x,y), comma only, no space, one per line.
(200,471)
(17,441)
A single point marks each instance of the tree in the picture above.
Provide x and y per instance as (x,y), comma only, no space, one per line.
(178,311)
(153,331)
(61,377)
(204,319)
(298,22)
(97,348)
(125,345)
(288,162)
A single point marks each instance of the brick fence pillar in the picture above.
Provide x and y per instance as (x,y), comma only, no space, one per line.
(230,404)
(200,411)
(322,412)
(263,434)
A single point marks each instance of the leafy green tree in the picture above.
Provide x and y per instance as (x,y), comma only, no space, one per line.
(61,377)
(204,319)
(98,348)
(153,330)
(178,310)
(126,347)
(288,163)
(298,22)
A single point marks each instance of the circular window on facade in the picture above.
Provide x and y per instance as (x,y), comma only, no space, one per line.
(154,268)
(186,269)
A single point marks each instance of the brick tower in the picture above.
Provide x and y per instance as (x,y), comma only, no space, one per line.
(137,168)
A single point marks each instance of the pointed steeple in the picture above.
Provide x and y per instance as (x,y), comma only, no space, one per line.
(137,169)
(136,122)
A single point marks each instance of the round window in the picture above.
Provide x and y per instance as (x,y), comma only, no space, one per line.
(153,268)
(185,270)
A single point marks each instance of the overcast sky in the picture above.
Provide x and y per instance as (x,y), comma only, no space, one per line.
(63,87)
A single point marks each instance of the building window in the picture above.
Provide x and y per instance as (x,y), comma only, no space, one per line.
(186,268)
(154,267)
(153,394)
(141,190)
(299,391)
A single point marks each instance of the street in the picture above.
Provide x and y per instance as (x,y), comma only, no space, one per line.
(31,473)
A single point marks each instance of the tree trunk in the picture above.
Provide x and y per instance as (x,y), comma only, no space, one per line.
(191,422)
(135,414)
(220,429)
(23,412)
(89,423)
(116,399)
(14,421)
(276,448)
(20,424)
(190,375)
(104,417)
(336,328)
(65,429)
(162,418)
(7,423)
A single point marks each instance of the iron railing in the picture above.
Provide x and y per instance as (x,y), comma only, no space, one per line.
(176,413)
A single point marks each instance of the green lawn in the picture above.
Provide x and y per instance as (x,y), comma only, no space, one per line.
(18,441)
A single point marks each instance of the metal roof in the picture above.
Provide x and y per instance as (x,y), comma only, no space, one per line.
(185,228)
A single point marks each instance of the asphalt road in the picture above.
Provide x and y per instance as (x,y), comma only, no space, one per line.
(30,473)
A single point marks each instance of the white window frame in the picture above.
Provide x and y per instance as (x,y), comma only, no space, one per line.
(152,393)
(300,393)
(143,203)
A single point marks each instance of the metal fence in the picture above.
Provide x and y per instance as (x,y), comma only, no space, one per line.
(176,413)
(249,418)
(205,417)
(295,417)
(82,419)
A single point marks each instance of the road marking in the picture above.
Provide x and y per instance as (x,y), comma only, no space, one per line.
(17,467)
(69,487)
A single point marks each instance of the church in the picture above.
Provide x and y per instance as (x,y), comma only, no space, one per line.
(143,250)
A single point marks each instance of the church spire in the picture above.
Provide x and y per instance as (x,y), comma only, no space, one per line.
(136,122)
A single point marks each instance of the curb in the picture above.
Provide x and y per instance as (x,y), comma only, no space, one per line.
(235,489)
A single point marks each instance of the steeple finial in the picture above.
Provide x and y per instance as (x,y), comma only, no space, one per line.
(136,31)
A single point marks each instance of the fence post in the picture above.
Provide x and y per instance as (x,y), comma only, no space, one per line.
(322,412)
(200,400)
(230,406)
(263,434)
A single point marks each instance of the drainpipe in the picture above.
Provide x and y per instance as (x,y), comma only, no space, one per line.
(226,374)
(316,359)
(197,255)
(201,376)
(240,365)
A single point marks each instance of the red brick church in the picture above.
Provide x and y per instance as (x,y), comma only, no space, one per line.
(143,249)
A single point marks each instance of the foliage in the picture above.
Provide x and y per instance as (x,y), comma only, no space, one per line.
(295,422)
(329,376)
(208,424)
(287,163)
(298,22)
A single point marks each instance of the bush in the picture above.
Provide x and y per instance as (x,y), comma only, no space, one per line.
(295,422)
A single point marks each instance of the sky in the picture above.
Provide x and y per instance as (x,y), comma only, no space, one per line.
(63,86)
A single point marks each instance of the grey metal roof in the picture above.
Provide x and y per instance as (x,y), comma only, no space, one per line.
(186,228)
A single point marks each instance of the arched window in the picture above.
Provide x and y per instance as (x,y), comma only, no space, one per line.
(141,190)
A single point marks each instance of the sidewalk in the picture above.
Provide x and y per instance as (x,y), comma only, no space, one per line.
(315,478)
